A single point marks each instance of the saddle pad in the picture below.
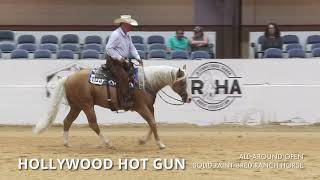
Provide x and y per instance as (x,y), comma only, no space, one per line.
(98,77)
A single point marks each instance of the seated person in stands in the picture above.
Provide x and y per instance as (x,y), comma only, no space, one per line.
(199,42)
(272,38)
(178,42)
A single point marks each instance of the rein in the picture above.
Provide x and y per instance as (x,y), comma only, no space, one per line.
(175,104)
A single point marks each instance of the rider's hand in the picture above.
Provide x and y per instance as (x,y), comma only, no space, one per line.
(140,61)
(124,60)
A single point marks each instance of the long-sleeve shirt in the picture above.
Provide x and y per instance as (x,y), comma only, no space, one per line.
(175,44)
(120,45)
(271,43)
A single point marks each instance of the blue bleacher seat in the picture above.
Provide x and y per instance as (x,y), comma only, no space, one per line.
(293,46)
(28,47)
(315,52)
(52,47)
(157,46)
(313,39)
(155,39)
(296,53)
(26,38)
(19,54)
(157,54)
(140,47)
(97,47)
(200,55)
(89,54)
(290,39)
(273,53)
(49,39)
(65,54)
(93,40)
(137,39)
(42,54)
(70,39)
(6,47)
(179,55)
(142,54)
(73,47)
(313,46)
(6,35)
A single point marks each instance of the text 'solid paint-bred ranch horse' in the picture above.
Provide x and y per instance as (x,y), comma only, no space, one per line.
(82,96)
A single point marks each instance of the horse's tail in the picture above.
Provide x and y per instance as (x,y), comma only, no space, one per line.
(58,94)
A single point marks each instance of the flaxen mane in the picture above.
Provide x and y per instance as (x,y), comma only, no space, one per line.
(156,77)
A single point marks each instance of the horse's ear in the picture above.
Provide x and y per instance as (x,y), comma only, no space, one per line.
(180,73)
(184,67)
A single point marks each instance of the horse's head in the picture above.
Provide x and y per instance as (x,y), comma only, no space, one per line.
(180,85)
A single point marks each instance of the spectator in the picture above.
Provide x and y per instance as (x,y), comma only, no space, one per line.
(178,42)
(199,42)
(272,37)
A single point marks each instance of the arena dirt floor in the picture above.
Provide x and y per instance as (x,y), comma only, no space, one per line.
(222,143)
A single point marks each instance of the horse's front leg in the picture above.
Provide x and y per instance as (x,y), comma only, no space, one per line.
(147,137)
(147,114)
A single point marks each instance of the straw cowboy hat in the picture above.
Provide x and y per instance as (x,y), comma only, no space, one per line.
(126,19)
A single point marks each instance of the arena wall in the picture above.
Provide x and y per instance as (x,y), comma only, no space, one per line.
(284,12)
(96,12)
(285,91)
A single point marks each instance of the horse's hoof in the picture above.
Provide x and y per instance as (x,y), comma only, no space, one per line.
(66,145)
(162,146)
(141,142)
(110,146)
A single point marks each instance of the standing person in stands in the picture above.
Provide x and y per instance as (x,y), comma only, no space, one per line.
(119,48)
(199,42)
(178,42)
(272,38)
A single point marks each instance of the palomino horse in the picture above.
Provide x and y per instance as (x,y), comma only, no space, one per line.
(82,96)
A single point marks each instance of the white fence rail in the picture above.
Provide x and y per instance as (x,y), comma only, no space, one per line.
(267,91)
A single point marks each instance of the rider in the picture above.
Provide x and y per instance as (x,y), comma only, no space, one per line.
(119,48)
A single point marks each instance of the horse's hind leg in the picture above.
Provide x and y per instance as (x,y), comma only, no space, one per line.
(72,115)
(92,119)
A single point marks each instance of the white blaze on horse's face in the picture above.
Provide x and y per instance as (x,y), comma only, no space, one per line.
(181,84)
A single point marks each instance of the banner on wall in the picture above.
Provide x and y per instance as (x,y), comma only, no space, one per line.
(224,91)
(214,86)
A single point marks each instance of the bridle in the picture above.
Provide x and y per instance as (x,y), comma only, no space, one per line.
(175,104)
(169,96)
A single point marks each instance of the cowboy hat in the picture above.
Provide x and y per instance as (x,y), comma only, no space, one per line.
(126,19)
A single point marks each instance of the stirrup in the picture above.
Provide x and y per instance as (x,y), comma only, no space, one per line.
(131,85)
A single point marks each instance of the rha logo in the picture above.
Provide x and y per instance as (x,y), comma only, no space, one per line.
(214,86)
